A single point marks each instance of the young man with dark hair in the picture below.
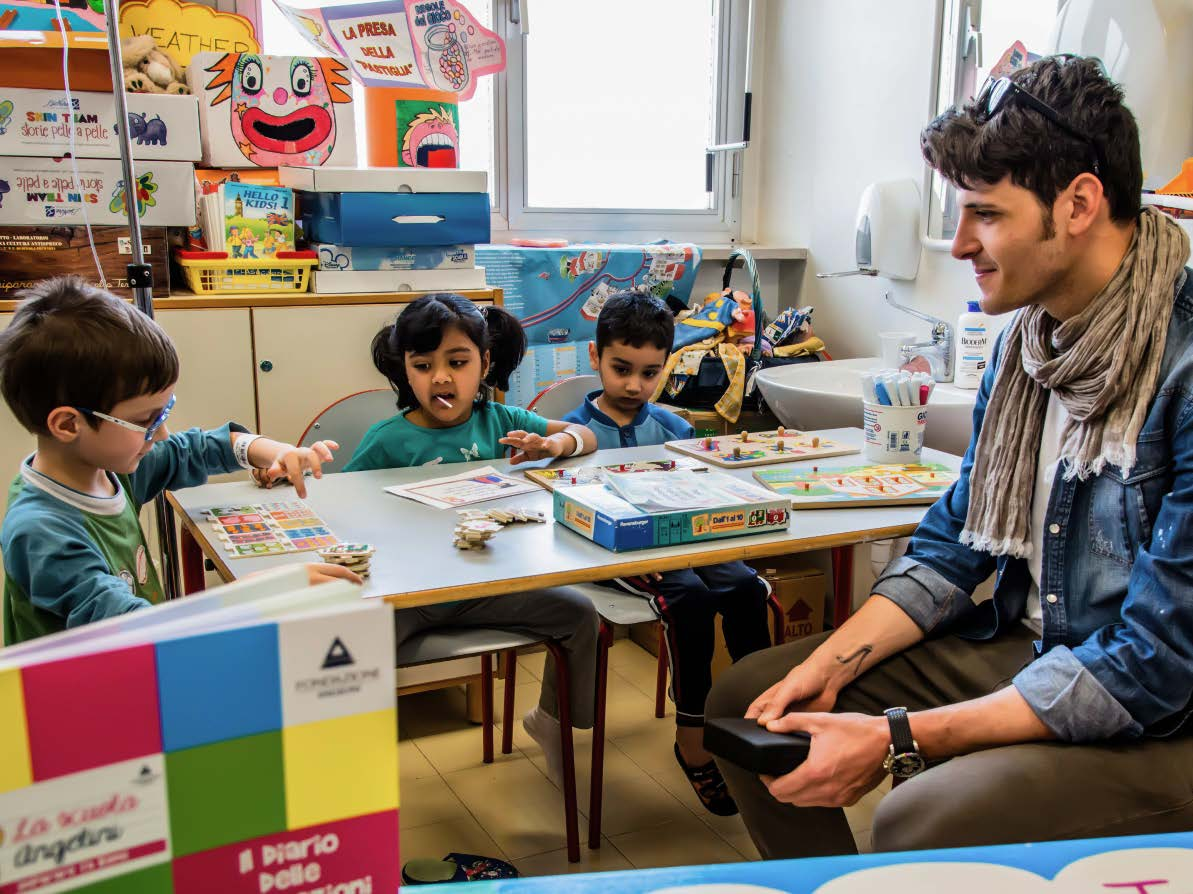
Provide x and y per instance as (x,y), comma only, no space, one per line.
(1058,709)
(93,378)
(633,339)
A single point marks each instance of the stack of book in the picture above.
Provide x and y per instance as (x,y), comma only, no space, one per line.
(239,741)
(249,221)
(381,230)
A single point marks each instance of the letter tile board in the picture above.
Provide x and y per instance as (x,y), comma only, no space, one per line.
(239,760)
(268,529)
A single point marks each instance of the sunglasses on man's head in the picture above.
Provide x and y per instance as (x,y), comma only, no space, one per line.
(998,94)
(148,430)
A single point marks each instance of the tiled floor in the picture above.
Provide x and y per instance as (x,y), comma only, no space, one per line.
(451,801)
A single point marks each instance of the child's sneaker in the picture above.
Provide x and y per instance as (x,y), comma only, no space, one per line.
(709,786)
(544,729)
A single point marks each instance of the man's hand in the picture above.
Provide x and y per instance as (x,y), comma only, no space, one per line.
(323,572)
(528,446)
(843,764)
(803,689)
(292,463)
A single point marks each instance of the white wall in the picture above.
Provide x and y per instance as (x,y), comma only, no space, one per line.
(845,92)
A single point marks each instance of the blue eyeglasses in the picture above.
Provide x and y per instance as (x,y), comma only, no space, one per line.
(148,430)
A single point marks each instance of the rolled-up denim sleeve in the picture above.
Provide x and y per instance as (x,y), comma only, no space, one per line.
(933,582)
(1071,701)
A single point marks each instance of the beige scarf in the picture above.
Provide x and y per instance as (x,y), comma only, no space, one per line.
(1102,364)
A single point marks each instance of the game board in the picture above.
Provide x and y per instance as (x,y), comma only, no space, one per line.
(576,475)
(760,448)
(825,487)
(268,529)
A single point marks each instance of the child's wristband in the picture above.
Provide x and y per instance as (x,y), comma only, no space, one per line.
(240,450)
(579,442)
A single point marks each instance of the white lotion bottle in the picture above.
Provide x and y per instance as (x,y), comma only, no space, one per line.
(973,347)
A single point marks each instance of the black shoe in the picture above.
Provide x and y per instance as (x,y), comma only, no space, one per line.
(709,786)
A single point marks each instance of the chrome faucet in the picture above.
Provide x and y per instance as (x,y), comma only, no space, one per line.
(938,352)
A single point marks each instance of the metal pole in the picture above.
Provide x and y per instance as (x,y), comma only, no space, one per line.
(140,274)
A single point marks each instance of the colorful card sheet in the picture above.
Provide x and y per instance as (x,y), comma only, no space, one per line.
(269,529)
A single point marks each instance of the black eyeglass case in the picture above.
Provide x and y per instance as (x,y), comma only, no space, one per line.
(755,748)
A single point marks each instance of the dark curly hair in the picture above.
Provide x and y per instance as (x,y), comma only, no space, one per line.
(969,147)
(419,329)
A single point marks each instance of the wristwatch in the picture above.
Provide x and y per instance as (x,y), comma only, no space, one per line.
(904,760)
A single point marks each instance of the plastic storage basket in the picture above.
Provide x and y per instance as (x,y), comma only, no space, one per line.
(214,273)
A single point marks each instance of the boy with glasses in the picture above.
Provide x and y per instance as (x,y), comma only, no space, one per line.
(1059,708)
(93,378)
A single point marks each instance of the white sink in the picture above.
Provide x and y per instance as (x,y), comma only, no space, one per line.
(829,395)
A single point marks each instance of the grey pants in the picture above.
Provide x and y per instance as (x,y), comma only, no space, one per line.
(559,613)
(1032,792)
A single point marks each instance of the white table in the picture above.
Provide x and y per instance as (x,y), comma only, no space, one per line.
(416,563)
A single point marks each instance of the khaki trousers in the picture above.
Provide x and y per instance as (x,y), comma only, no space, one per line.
(1032,792)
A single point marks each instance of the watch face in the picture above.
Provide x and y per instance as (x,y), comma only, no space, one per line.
(904,765)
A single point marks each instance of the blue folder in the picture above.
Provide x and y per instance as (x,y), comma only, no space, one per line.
(383,218)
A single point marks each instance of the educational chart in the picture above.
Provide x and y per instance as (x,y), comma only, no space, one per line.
(762,448)
(218,754)
(579,475)
(411,43)
(268,529)
(557,294)
(826,487)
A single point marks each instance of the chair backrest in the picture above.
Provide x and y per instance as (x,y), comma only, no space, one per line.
(564,396)
(346,422)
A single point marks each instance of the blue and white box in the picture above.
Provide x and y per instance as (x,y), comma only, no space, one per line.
(412,257)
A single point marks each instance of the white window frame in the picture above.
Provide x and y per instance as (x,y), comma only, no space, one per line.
(512,216)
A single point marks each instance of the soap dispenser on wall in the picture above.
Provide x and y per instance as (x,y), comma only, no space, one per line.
(887,236)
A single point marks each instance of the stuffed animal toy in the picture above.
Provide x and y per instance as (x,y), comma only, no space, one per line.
(149,70)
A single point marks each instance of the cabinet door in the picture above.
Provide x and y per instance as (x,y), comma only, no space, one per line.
(310,357)
(215,355)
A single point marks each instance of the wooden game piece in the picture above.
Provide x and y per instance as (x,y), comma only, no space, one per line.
(807,486)
(737,453)
(816,442)
(708,443)
(780,432)
(745,437)
(779,445)
(815,468)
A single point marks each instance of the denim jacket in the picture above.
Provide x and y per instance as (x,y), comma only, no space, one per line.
(1116,657)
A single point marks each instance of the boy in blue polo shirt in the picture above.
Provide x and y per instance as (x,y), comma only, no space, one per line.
(633,338)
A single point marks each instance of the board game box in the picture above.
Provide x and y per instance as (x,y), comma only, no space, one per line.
(644,514)
(762,448)
(575,475)
(268,529)
(825,487)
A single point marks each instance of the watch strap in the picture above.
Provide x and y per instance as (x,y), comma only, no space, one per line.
(901,738)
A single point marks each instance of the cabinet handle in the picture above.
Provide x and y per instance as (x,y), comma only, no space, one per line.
(266,365)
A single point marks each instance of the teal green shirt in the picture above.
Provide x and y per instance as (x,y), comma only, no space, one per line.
(397,442)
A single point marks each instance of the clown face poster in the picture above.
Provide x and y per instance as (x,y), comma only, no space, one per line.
(267,111)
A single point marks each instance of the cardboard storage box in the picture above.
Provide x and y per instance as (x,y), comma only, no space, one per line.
(266,111)
(343,282)
(393,218)
(800,589)
(420,180)
(165,128)
(596,512)
(414,257)
(711,424)
(28,254)
(48,192)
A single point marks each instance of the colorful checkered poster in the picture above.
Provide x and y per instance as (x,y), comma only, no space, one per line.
(255,758)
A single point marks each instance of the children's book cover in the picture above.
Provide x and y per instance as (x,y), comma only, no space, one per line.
(258,220)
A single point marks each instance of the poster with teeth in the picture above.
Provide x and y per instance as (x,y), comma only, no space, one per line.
(266,111)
